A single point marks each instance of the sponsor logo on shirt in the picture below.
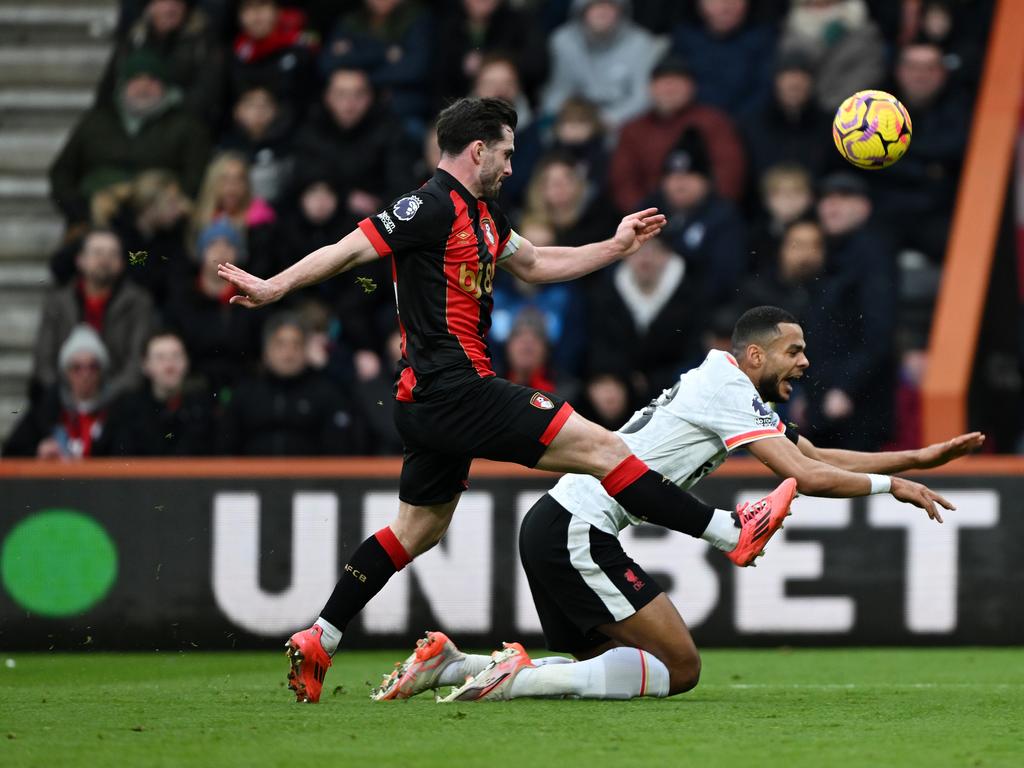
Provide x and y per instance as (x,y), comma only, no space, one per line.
(387,221)
(406,207)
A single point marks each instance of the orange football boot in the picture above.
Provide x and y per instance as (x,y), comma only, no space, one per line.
(309,664)
(421,671)
(760,520)
(494,682)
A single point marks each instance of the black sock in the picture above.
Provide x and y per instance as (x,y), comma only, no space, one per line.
(651,496)
(374,562)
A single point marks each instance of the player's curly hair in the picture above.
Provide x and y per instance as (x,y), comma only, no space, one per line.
(471,119)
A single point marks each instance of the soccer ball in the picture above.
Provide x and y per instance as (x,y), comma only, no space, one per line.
(872,129)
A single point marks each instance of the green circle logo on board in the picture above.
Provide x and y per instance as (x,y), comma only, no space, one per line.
(58,562)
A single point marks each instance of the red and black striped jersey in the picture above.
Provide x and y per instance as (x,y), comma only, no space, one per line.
(445,246)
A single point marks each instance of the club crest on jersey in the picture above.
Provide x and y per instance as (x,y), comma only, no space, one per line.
(488,231)
(542,401)
(406,207)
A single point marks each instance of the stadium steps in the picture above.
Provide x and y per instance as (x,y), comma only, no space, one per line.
(51,56)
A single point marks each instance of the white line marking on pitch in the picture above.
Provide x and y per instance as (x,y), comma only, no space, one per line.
(854,686)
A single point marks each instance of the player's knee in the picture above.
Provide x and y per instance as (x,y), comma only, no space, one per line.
(684,675)
(420,534)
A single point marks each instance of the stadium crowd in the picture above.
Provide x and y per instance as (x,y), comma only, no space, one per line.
(255,131)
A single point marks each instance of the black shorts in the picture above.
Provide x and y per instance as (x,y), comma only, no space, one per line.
(580,577)
(487,419)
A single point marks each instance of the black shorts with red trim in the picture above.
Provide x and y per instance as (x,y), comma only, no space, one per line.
(488,418)
(580,577)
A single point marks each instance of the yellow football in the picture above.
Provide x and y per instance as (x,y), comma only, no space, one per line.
(872,129)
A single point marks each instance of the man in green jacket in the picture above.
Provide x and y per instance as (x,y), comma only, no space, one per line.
(146,127)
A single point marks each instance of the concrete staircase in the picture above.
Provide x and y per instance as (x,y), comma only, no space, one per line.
(52,53)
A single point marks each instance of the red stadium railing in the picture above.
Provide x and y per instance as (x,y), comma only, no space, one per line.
(979,207)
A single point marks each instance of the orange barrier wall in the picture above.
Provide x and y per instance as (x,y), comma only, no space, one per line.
(979,207)
(980,466)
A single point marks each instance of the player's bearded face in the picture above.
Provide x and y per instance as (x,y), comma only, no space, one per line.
(785,361)
(496,165)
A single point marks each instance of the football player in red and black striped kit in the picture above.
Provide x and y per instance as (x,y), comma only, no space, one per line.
(445,241)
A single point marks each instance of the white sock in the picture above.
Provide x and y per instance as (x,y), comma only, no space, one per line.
(620,673)
(473,663)
(552,660)
(457,672)
(330,637)
(722,532)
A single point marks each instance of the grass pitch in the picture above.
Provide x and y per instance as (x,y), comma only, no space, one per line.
(933,708)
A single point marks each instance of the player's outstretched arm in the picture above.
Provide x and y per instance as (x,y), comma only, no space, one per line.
(816,478)
(351,251)
(555,264)
(887,462)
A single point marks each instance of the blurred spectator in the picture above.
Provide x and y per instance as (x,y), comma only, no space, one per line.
(375,400)
(117,309)
(477,29)
(906,431)
(576,132)
(558,195)
(528,356)
(787,194)
(793,281)
(918,192)
(357,140)
(227,194)
(959,27)
(730,56)
(430,155)
(315,219)
(850,327)
(160,418)
(273,49)
(392,41)
(222,341)
(366,315)
(146,128)
(218,12)
(288,410)
(262,132)
(149,215)
(791,127)
(498,78)
(842,43)
(648,319)
(606,399)
(602,55)
(717,333)
(181,35)
(705,229)
(560,305)
(70,415)
(646,141)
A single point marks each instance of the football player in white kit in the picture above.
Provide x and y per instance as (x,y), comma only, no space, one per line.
(599,605)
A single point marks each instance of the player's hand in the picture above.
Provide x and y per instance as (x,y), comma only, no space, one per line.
(637,228)
(252,291)
(920,496)
(937,454)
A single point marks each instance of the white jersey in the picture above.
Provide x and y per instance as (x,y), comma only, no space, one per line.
(684,434)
